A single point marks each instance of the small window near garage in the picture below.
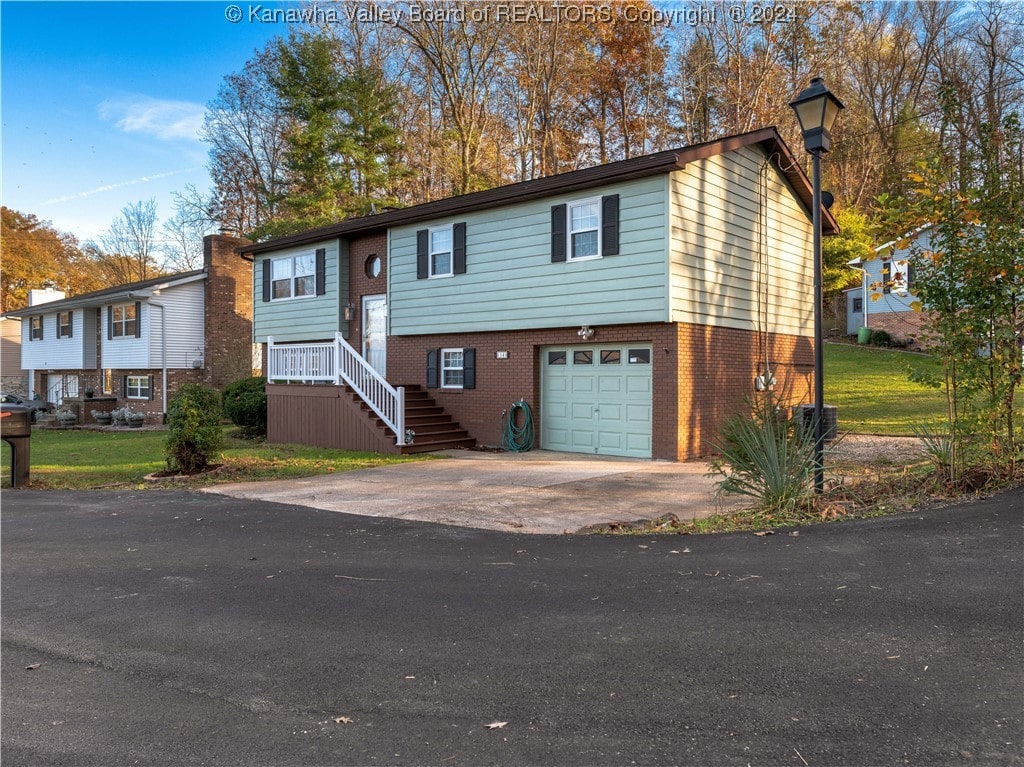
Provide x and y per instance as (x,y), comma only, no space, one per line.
(137,387)
(858,305)
(64,325)
(35,329)
(583,357)
(639,356)
(611,357)
(556,358)
(452,368)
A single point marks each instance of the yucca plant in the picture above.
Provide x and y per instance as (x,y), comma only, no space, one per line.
(767,457)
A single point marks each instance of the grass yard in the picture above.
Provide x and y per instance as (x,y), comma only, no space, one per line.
(80,459)
(873,393)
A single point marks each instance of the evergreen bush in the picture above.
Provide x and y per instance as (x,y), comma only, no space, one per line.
(245,404)
(193,429)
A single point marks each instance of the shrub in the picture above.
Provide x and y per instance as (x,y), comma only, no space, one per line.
(245,404)
(766,457)
(880,338)
(193,429)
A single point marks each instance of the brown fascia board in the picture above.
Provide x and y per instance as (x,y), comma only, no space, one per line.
(623,170)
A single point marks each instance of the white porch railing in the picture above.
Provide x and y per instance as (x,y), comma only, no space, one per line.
(336,362)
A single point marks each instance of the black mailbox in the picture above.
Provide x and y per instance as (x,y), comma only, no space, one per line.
(16,431)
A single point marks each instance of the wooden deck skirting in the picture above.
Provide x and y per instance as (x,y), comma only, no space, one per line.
(322,416)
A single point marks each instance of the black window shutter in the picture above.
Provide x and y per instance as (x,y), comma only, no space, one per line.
(138,319)
(459,248)
(110,322)
(886,277)
(321,271)
(469,368)
(71,324)
(557,233)
(266,280)
(433,368)
(422,244)
(124,387)
(150,387)
(910,274)
(610,225)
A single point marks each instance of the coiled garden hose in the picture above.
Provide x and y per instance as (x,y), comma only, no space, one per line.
(518,433)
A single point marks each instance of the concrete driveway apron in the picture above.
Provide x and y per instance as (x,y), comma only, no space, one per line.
(535,492)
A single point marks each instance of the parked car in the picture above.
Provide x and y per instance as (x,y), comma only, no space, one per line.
(35,406)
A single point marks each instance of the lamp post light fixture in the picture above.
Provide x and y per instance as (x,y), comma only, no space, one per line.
(816,109)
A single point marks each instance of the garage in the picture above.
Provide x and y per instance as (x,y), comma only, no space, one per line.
(597,399)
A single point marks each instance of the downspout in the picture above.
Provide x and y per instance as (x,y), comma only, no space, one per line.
(163,353)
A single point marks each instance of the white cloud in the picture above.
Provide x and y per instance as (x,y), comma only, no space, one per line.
(117,185)
(163,118)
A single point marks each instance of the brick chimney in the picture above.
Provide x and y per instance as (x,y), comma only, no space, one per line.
(228,320)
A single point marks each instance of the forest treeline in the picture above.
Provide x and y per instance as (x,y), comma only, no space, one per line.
(375,105)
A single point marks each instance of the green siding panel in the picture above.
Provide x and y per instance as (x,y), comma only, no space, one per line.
(300,319)
(511,283)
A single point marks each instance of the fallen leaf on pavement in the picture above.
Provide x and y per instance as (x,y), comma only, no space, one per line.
(33,667)
(496,725)
(343,720)
(763,533)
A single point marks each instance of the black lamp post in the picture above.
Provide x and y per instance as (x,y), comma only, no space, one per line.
(816,109)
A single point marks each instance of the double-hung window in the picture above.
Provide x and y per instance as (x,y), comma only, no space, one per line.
(137,387)
(440,257)
(452,368)
(584,228)
(293,276)
(64,324)
(123,321)
(35,329)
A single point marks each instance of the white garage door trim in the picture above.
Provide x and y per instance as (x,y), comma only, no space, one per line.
(597,399)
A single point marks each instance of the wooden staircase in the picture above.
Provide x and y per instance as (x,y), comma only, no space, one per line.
(434,428)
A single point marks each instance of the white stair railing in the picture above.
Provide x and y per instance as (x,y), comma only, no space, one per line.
(335,363)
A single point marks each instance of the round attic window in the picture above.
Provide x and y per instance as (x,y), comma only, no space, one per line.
(373,266)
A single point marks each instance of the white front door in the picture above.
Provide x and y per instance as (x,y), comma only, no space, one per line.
(375,331)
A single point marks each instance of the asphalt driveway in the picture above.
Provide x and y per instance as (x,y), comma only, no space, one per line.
(535,492)
(174,628)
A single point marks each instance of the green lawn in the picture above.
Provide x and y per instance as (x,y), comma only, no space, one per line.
(873,393)
(77,459)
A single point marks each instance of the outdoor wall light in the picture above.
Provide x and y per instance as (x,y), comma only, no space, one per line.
(586,332)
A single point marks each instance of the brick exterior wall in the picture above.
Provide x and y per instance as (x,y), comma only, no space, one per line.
(701,376)
(361,284)
(228,312)
(904,327)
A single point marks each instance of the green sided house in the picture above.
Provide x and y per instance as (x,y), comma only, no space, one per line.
(633,306)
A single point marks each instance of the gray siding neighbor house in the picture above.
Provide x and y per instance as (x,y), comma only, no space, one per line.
(631,306)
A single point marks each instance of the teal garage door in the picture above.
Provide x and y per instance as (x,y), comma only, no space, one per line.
(597,399)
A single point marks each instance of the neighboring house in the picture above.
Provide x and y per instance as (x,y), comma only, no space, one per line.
(13,378)
(136,344)
(632,306)
(885,299)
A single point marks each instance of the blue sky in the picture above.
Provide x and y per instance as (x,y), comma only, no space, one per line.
(101,102)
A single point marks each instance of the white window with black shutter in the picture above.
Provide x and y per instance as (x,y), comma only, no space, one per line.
(65,324)
(586,229)
(441,251)
(35,328)
(451,369)
(301,275)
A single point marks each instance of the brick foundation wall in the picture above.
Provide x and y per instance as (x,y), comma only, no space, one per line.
(904,327)
(701,376)
(228,312)
(717,368)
